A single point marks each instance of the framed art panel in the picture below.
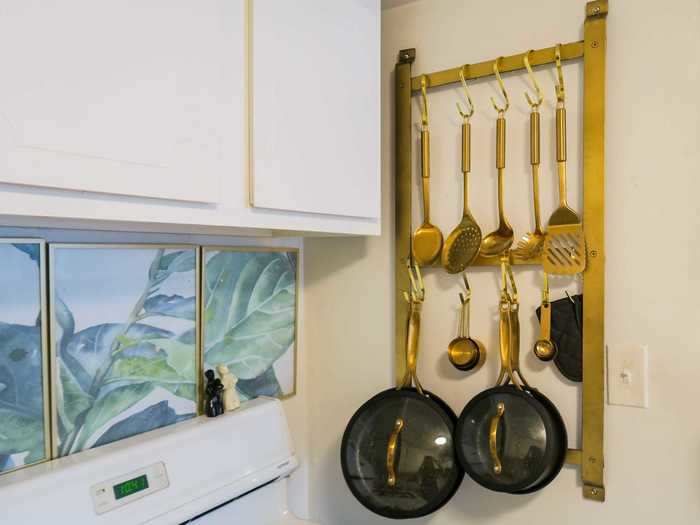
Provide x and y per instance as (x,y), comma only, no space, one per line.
(249,317)
(124,341)
(24,391)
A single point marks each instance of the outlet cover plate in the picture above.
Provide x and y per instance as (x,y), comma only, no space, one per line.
(628,375)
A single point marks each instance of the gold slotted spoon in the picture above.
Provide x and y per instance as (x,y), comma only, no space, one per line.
(532,243)
(564,244)
(500,240)
(462,245)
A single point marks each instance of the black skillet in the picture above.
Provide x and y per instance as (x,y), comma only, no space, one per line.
(511,438)
(397,453)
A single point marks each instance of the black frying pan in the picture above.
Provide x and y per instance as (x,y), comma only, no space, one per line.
(510,438)
(397,453)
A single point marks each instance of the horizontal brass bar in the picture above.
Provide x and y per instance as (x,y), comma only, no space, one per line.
(539,57)
(496,261)
(573,456)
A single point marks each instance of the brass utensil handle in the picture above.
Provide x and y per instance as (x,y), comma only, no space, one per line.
(425,171)
(493,438)
(466,313)
(391,452)
(561,134)
(561,153)
(466,163)
(534,138)
(535,161)
(500,142)
(546,321)
(466,147)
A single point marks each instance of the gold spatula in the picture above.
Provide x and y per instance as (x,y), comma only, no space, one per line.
(564,244)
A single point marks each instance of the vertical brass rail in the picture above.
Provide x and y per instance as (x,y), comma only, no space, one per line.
(594,228)
(402,198)
(592,49)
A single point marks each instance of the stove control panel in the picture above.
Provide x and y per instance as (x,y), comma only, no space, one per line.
(122,490)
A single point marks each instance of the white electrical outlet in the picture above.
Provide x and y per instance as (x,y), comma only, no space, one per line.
(628,375)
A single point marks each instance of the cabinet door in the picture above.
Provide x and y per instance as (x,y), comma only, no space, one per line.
(315,106)
(141,98)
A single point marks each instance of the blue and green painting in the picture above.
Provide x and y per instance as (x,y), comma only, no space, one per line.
(249,302)
(22,411)
(124,341)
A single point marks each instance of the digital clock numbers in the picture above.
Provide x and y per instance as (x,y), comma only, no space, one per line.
(130,487)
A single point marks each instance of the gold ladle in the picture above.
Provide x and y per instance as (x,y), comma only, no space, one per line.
(500,240)
(427,239)
(532,243)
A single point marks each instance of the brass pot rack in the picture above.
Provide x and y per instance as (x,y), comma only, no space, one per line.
(592,51)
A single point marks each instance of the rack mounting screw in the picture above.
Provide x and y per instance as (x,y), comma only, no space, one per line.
(596,9)
(594,43)
(594,492)
(593,253)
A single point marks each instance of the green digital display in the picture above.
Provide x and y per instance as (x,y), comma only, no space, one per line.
(130,486)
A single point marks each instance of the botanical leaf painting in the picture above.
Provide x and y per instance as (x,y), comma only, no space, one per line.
(23,439)
(124,341)
(249,303)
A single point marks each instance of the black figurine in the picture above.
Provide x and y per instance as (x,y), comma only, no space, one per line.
(214,404)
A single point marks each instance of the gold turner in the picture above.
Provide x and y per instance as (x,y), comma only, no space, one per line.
(564,243)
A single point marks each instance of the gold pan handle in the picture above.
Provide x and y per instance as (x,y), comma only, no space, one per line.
(391,452)
(493,434)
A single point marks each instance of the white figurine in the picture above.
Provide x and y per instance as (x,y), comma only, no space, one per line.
(231,401)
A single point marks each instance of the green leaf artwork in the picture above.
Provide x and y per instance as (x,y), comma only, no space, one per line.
(124,318)
(249,318)
(22,411)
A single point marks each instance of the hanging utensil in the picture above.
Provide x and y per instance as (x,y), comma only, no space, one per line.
(427,239)
(462,245)
(531,245)
(565,244)
(500,240)
(544,348)
(567,336)
(464,352)
(510,438)
(397,452)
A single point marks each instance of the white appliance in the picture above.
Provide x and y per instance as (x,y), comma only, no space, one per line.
(223,471)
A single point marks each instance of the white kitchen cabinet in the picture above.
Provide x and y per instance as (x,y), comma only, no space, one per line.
(128,98)
(142,115)
(315,106)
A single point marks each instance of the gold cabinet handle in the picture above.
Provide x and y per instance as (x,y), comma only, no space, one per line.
(493,434)
(391,452)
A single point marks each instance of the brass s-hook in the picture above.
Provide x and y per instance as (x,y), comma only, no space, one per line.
(424,94)
(470,111)
(538,91)
(502,86)
(559,86)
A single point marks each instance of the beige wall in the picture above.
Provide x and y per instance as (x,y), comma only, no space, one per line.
(652,455)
